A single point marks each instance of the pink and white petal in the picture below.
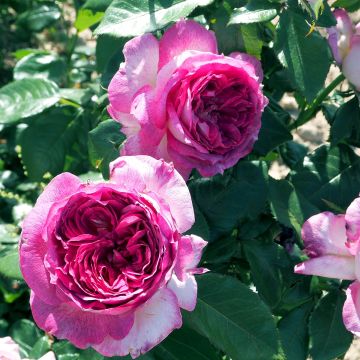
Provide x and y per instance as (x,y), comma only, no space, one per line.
(331,266)
(250,60)
(154,321)
(351,309)
(82,328)
(325,233)
(130,125)
(141,61)
(9,349)
(189,254)
(185,291)
(352,219)
(32,246)
(185,35)
(146,174)
(48,356)
(120,95)
(350,66)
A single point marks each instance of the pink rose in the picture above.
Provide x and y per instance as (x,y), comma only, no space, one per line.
(106,262)
(333,244)
(344,40)
(9,350)
(178,99)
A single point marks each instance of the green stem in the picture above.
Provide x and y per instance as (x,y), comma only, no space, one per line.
(310,111)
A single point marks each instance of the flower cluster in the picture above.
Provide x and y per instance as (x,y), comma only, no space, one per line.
(179,100)
(106,262)
(344,40)
(332,243)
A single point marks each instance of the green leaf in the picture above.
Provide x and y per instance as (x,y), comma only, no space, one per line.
(273,133)
(329,337)
(9,264)
(104,142)
(349,5)
(86,18)
(126,18)
(346,124)
(39,17)
(79,96)
(97,5)
(109,51)
(289,207)
(294,334)
(46,141)
(26,334)
(41,66)
(185,344)
(234,319)
(328,175)
(23,98)
(236,37)
(225,199)
(253,12)
(295,47)
(292,153)
(41,347)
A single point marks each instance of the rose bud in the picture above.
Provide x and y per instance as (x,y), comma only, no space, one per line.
(178,99)
(332,243)
(106,262)
(344,41)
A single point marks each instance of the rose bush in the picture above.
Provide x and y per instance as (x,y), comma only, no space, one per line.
(332,243)
(106,262)
(178,99)
(344,40)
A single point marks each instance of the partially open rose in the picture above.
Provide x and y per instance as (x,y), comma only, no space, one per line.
(344,40)
(333,244)
(178,99)
(106,262)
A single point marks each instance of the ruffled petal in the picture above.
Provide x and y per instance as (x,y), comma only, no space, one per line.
(145,174)
(154,321)
(331,266)
(325,234)
(9,349)
(352,219)
(351,309)
(251,62)
(82,328)
(185,35)
(185,291)
(32,247)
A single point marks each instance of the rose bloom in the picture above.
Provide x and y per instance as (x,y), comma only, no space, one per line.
(344,40)
(9,350)
(106,262)
(333,244)
(180,100)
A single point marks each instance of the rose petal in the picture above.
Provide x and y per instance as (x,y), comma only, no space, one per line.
(154,321)
(351,65)
(251,62)
(145,174)
(337,267)
(48,356)
(185,35)
(325,233)
(352,219)
(9,349)
(82,328)
(185,291)
(32,247)
(351,309)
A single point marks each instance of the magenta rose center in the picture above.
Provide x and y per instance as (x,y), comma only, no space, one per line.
(215,109)
(108,250)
